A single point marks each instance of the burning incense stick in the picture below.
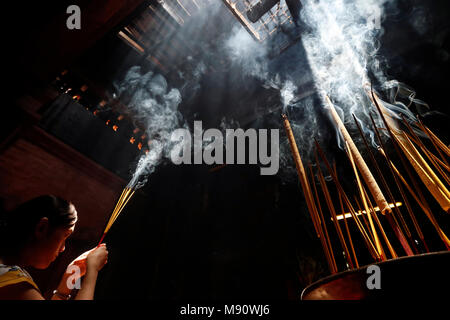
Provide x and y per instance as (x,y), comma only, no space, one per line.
(367,175)
(126,195)
(392,220)
(307,191)
(301,171)
(361,164)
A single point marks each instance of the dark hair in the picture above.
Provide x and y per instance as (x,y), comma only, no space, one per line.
(18,225)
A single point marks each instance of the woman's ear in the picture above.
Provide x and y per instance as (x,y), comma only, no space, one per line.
(42,228)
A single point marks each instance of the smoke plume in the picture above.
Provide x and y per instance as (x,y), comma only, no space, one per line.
(153,104)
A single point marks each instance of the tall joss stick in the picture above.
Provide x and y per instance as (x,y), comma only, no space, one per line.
(383,182)
(366,206)
(303,180)
(375,164)
(409,209)
(367,176)
(361,164)
(300,170)
(402,220)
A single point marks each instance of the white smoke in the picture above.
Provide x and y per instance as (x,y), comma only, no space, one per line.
(341,46)
(153,105)
(249,54)
(288,93)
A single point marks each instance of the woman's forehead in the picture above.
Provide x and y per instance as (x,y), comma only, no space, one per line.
(73,211)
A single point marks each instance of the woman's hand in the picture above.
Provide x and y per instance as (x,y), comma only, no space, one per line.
(97,258)
(89,264)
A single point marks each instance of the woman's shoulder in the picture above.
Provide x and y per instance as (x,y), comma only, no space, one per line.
(10,275)
(20,291)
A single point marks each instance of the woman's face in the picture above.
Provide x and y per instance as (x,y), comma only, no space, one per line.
(52,244)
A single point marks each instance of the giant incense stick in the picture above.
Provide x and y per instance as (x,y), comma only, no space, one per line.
(361,164)
(405,245)
(391,218)
(405,200)
(366,207)
(367,175)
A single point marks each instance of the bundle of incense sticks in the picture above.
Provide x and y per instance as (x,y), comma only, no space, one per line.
(404,147)
(434,174)
(425,172)
(126,195)
(319,225)
(370,181)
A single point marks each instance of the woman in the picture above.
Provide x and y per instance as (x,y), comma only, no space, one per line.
(33,235)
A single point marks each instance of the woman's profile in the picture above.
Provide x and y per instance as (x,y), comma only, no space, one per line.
(33,235)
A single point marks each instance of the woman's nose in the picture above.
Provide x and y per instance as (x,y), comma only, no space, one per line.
(62,248)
